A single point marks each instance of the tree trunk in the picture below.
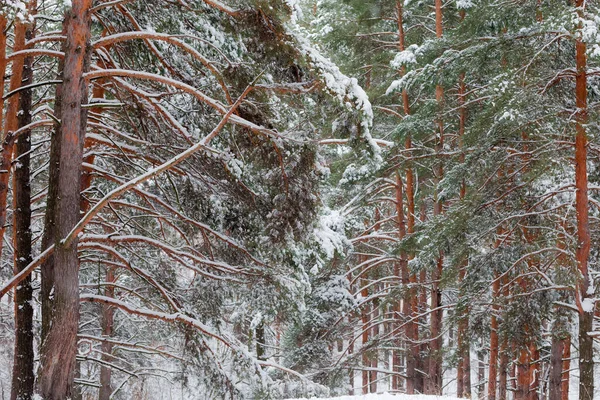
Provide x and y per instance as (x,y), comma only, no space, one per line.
(107,332)
(260,341)
(3,63)
(433,382)
(534,372)
(586,356)
(566,368)
(494,342)
(463,379)
(504,353)
(401,272)
(23,375)
(48,238)
(57,358)
(412,328)
(480,376)
(523,377)
(107,322)
(365,333)
(586,312)
(556,365)
(409,303)
(11,124)
(412,336)
(375,356)
(422,306)
(350,353)
(460,344)
(512,373)
(503,371)
(467,370)
(435,348)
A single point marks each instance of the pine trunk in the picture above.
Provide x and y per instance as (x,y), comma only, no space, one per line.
(107,332)
(412,328)
(375,356)
(534,372)
(412,335)
(566,368)
(48,238)
(57,358)
(586,356)
(11,124)
(402,224)
(259,334)
(23,375)
(401,273)
(3,64)
(523,377)
(503,371)
(422,306)
(586,314)
(365,334)
(494,342)
(556,372)
(350,353)
(463,379)
(434,378)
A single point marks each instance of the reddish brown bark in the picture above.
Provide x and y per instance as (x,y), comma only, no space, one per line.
(439,26)
(467,368)
(11,124)
(412,336)
(494,342)
(23,374)
(504,352)
(463,379)
(107,321)
(411,307)
(57,356)
(556,372)
(375,356)
(494,325)
(86,178)
(461,342)
(3,62)
(523,374)
(434,378)
(49,235)
(586,312)
(403,272)
(534,372)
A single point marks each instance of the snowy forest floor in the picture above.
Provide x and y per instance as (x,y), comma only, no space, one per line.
(387,396)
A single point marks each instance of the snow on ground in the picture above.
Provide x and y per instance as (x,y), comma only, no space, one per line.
(387,396)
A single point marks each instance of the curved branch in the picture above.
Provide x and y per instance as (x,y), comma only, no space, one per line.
(153,172)
(34,53)
(121,37)
(217,105)
(15,280)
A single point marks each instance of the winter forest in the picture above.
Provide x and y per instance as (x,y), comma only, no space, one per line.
(277,199)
